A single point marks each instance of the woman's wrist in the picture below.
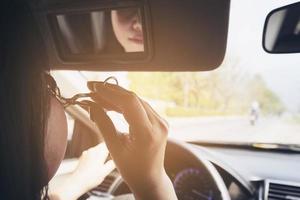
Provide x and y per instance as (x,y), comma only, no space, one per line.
(159,187)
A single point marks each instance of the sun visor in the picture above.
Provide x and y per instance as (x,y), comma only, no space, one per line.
(140,35)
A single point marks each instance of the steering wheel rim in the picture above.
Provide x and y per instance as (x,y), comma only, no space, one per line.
(198,157)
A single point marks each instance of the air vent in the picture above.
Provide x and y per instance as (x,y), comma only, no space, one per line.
(282,191)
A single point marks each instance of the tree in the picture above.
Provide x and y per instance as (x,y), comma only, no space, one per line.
(227,90)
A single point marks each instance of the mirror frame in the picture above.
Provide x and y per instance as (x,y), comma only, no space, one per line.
(134,57)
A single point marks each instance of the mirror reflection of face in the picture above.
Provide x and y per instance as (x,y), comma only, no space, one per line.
(127,27)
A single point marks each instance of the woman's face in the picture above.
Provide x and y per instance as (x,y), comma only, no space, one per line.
(56,137)
(128,29)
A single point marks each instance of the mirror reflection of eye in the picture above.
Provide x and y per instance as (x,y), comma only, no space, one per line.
(127,14)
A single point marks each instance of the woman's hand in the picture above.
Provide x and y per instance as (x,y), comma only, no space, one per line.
(92,169)
(139,155)
(89,173)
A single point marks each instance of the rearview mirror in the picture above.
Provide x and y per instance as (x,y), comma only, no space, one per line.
(135,35)
(282,30)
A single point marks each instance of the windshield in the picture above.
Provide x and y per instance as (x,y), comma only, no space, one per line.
(252,97)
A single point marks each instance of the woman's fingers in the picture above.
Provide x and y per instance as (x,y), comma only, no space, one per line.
(92,85)
(105,126)
(103,103)
(152,115)
(151,112)
(155,119)
(129,104)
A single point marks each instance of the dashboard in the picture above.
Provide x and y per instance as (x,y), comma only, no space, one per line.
(219,173)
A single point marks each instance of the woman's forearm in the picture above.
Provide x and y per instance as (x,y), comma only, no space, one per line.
(160,189)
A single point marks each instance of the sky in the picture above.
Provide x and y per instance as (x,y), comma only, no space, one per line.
(281,72)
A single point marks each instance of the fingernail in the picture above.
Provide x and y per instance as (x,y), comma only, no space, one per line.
(93,85)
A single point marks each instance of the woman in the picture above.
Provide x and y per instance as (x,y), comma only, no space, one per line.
(33,125)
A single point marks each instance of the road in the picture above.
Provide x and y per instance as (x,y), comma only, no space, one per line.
(234,129)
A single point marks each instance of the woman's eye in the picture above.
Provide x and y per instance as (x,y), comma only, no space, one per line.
(127,14)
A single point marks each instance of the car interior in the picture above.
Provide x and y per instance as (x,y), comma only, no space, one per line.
(224,73)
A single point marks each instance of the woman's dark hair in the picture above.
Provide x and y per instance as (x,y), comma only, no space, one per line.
(24,104)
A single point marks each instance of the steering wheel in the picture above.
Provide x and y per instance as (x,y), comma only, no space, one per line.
(193,176)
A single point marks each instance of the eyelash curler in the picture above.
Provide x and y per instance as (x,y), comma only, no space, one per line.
(74,100)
